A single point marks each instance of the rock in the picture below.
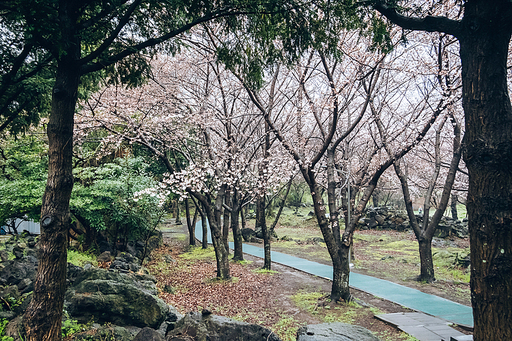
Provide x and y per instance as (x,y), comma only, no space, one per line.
(247,234)
(258,232)
(104,257)
(148,334)
(126,262)
(108,333)
(122,299)
(4,256)
(197,327)
(380,219)
(15,271)
(335,331)
(26,285)
(31,242)
(18,251)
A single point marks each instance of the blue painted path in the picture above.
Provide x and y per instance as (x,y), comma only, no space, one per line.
(405,296)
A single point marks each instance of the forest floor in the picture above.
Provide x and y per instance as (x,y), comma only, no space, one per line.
(282,300)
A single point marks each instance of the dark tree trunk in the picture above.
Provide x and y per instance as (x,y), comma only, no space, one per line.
(44,315)
(215,222)
(204,223)
(484,38)
(225,221)
(204,226)
(453,206)
(339,255)
(237,235)
(331,197)
(191,224)
(488,155)
(262,223)
(177,212)
(280,211)
(426,263)
(243,216)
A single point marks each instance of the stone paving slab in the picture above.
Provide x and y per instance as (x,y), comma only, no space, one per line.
(422,326)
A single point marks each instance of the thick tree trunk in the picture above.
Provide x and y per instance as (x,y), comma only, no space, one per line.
(339,255)
(215,222)
(488,156)
(426,263)
(44,315)
(237,235)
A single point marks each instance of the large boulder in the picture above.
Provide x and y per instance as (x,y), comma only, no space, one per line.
(335,331)
(19,272)
(202,327)
(119,298)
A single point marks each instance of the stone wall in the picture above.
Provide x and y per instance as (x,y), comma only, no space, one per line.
(385,218)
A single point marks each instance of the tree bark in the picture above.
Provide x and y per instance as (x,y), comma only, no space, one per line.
(426,263)
(484,36)
(225,221)
(453,206)
(215,222)
(488,156)
(191,224)
(237,235)
(338,252)
(43,317)
(262,223)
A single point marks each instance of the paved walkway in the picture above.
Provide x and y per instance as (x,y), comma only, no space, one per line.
(405,296)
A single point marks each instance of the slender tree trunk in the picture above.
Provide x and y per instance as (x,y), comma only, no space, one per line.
(191,224)
(262,223)
(488,150)
(331,196)
(178,214)
(225,221)
(280,211)
(243,216)
(43,317)
(204,225)
(237,235)
(453,206)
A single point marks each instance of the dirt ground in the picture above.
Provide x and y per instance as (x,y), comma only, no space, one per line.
(281,301)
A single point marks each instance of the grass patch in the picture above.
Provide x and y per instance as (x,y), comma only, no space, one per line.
(217,280)
(307,301)
(198,253)
(286,328)
(265,271)
(81,258)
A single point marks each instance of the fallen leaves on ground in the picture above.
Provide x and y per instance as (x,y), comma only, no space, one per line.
(248,296)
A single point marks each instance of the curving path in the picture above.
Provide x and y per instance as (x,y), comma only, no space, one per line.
(405,296)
